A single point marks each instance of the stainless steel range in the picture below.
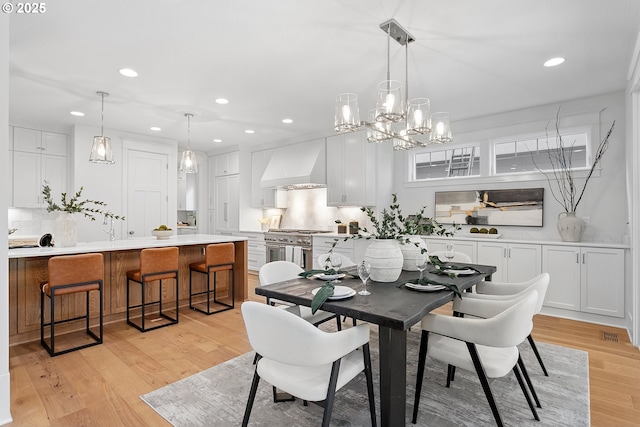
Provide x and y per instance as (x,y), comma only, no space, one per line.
(291,245)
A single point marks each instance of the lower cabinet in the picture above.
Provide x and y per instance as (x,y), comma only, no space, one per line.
(256,249)
(516,262)
(587,279)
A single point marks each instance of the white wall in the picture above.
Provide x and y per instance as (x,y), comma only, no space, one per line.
(605,200)
(5,398)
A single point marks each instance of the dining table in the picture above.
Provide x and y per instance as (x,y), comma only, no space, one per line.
(392,306)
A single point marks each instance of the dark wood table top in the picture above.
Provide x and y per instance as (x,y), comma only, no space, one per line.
(389,305)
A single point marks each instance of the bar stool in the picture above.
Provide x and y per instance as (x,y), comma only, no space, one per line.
(70,274)
(218,257)
(156,264)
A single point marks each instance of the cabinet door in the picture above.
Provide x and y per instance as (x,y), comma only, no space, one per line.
(264,197)
(602,272)
(493,253)
(54,144)
(234,203)
(563,265)
(211,222)
(227,164)
(335,170)
(212,183)
(222,204)
(27,140)
(27,183)
(182,191)
(523,261)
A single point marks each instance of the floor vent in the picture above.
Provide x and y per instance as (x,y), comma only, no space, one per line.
(610,336)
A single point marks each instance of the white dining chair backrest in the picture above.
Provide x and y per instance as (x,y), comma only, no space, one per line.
(497,290)
(457,256)
(346,261)
(278,271)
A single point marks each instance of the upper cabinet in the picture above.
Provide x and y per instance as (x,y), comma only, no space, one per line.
(37,157)
(227,164)
(351,167)
(264,197)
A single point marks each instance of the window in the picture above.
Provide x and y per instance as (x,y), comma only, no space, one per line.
(531,154)
(447,163)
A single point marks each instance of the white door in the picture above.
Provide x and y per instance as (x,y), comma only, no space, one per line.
(147,181)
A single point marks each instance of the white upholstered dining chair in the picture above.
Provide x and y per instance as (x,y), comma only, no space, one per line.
(279,271)
(487,346)
(304,361)
(346,261)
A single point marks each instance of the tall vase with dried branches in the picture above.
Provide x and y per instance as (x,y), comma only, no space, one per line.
(565,187)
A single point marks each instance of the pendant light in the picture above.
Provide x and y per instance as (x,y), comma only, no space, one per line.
(188,164)
(101,151)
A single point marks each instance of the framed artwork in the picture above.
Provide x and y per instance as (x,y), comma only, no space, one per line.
(522,207)
(275,222)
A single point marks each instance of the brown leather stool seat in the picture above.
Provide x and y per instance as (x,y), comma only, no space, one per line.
(156,265)
(70,274)
(218,257)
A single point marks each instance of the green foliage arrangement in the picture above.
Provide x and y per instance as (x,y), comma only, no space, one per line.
(89,208)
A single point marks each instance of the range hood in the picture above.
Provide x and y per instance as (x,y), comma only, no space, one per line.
(297,166)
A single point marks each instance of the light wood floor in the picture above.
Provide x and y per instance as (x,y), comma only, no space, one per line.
(101,385)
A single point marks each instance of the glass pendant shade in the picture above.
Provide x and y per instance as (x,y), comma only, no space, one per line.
(389,105)
(378,132)
(347,113)
(441,128)
(188,163)
(419,116)
(101,151)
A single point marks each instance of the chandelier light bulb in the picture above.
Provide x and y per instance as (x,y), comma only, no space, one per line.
(389,101)
(346,113)
(102,150)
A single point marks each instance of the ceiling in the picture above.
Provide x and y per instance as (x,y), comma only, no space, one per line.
(290,58)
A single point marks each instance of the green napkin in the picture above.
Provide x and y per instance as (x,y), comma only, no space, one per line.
(329,271)
(321,296)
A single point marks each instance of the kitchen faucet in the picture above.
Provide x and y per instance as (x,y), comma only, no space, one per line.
(111,232)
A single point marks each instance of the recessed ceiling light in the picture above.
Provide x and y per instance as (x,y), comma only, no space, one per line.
(77,113)
(155,128)
(553,62)
(249,131)
(222,101)
(217,140)
(287,121)
(128,72)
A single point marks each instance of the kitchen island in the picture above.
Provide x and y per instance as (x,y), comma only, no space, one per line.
(28,268)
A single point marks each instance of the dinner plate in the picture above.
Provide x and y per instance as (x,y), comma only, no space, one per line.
(424,288)
(328,277)
(339,292)
(466,272)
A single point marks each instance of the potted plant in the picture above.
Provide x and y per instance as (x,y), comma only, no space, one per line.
(65,227)
(390,234)
(564,186)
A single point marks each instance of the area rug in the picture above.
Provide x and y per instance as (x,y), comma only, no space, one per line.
(217,396)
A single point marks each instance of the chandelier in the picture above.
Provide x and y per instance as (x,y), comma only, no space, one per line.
(407,123)
(188,163)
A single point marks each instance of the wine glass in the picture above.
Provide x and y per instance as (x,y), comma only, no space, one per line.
(449,252)
(364,270)
(421,263)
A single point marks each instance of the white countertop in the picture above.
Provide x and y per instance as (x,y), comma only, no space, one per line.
(123,245)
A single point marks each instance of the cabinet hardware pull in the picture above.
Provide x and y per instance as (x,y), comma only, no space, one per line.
(583,258)
(577,258)
(225,211)
(504,253)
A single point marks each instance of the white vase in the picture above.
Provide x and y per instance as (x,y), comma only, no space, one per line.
(385,258)
(65,231)
(410,252)
(570,227)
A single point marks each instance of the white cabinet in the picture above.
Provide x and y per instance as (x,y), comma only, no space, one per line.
(256,249)
(38,157)
(186,191)
(587,279)
(227,164)
(264,197)
(464,246)
(227,203)
(515,262)
(351,170)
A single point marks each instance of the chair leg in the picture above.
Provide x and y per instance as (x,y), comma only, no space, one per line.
(451,374)
(338,322)
(422,357)
(366,354)
(535,351)
(516,371)
(252,398)
(331,393)
(482,376)
(525,374)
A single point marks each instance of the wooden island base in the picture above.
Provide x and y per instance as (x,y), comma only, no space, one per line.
(26,273)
